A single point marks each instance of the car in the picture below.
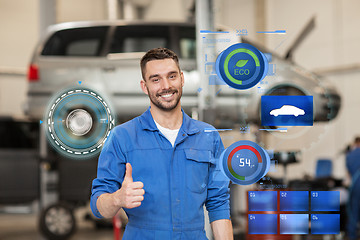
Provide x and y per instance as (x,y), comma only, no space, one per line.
(287,110)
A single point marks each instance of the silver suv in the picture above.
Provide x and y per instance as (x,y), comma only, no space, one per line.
(104,56)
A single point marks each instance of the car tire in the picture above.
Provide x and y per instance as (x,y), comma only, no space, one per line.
(57,222)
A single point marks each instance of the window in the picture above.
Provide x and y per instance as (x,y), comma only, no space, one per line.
(76,42)
(84,47)
(142,44)
(187,42)
(139,38)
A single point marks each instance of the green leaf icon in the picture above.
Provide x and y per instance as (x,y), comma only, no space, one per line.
(241,63)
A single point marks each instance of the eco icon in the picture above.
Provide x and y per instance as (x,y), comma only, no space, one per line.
(241,66)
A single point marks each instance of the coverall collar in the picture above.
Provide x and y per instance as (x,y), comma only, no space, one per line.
(187,126)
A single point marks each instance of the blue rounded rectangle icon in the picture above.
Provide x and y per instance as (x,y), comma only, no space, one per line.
(325,223)
(294,201)
(262,200)
(325,201)
(262,223)
(287,110)
(294,223)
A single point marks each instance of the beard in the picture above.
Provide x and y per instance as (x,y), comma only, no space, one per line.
(155,98)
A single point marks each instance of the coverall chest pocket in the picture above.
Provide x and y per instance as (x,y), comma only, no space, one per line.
(197,166)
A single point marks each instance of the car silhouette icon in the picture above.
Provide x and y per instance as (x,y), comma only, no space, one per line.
(287,110)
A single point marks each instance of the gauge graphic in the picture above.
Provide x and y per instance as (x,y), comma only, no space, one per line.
(245,162)
(241,66)
(78,121)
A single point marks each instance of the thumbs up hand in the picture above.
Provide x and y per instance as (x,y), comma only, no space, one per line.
(131,193)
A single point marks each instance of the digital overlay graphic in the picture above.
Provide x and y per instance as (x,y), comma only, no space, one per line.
(289,212)
(245,162)
(241,66)
(77,123)
(287,110)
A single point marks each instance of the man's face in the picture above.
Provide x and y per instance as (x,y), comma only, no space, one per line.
(163,83)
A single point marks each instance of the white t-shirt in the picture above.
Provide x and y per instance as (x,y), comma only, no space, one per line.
(170,134)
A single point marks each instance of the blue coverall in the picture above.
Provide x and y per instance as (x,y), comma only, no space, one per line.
(178,180)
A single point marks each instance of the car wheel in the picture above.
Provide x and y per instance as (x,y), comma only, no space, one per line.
(57,222)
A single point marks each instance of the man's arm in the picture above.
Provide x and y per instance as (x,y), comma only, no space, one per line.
(222,229)
(217,202)
(129,195)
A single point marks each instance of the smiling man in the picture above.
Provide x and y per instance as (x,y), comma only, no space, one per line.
(161,167)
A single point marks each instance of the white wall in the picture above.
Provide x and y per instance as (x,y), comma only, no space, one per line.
(164,10)
(80,10)
(19,31)
(19,34)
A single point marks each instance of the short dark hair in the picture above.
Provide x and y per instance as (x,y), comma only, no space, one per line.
(157,54)
(357,140)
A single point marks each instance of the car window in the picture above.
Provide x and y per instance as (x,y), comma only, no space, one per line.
(187,42)
(139,44)
(83,47)
(87,41)
(139,38)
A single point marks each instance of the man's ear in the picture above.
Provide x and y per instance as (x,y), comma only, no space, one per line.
(182,79)
(143,86)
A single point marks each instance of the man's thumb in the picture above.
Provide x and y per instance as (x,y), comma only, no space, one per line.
(128,173)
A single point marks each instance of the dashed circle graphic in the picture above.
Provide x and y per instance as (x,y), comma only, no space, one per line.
(78,122)
(245,162)
(241,66)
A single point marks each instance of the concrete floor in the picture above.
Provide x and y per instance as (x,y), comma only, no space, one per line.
(25,227)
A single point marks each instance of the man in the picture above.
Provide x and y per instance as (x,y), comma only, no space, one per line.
(353,158)
(161,166)
(353,167)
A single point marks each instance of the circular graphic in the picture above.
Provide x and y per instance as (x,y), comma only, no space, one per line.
(245,162)
(241,66)
(78,121)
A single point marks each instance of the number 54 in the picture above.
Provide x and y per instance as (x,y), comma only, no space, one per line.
(244,161)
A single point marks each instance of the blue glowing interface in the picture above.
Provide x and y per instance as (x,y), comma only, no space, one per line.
(294,201)
(300,212)
(294,223)
(325,201)
(325,223)
(262,201)
(262,223)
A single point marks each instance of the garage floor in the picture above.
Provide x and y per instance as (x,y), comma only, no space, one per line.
(24,226)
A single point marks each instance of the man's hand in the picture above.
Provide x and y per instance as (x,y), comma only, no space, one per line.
(131,193)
